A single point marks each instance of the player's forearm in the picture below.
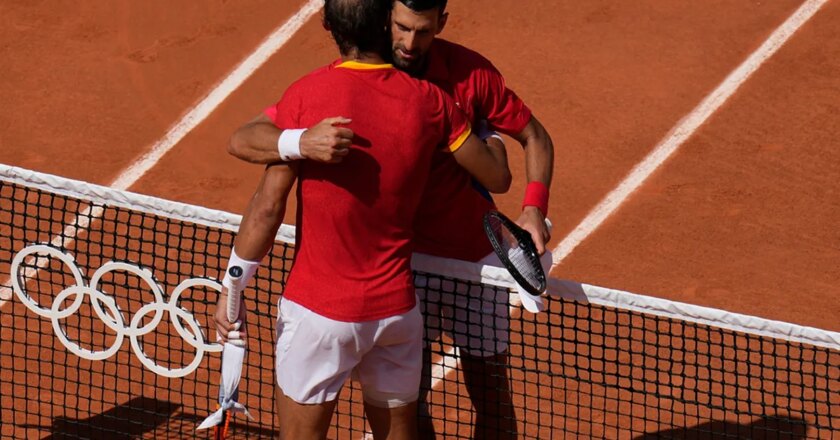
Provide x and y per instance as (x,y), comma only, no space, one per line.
(260,141)
(256,142)
(258,229)
(539,152)
(265,213)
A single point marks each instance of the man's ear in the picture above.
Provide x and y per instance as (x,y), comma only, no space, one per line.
(442,22)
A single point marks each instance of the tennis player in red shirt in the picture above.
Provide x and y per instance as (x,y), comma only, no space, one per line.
(481,316)
(349,305)
(449,218)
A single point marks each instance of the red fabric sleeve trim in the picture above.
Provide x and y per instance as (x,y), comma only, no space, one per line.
(271,112)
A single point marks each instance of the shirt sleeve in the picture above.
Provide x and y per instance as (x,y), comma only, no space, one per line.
(456,125)
(286,112)
(499,105)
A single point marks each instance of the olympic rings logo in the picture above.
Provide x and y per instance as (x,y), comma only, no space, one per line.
(113,318)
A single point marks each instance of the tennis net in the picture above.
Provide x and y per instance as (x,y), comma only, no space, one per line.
(138,362)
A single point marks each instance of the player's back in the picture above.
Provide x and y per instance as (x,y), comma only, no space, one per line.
(355,218)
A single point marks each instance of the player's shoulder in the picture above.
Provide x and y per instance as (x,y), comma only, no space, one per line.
(419,87)
(429,93)
(315,78)
(318,73)
(460,56)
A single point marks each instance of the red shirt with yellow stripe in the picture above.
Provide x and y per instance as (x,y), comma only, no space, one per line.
(355,218)
(449,222)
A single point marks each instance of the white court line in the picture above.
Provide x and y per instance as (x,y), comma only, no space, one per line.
(684,130)
(188,122)
(235,79)
(676,137)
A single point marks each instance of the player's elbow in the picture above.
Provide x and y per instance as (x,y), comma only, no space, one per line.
(500,182)
(269,212)
(235,146)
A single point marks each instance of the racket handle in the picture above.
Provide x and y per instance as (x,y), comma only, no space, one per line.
(234,293)
(548,224)
(233,307)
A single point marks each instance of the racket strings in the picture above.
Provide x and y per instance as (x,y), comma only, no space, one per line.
(516,245)
(527,264)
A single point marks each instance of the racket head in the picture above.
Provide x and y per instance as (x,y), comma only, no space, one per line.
(516,250)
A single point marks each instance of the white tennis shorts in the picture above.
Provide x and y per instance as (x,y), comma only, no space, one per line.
(477,318)
(315,355)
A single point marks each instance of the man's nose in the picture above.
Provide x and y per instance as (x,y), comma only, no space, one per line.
(410,41)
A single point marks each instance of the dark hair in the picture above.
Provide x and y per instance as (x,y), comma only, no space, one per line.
(358,24)
(424,5)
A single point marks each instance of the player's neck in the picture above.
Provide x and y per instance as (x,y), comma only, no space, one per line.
(363,57)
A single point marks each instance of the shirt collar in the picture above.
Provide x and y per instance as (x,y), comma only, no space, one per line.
(356,65)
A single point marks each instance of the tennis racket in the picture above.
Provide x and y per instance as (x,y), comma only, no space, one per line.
(233,301)
(516,250)
(234,298)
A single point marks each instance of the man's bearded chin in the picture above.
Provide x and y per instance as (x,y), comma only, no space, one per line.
(414,66)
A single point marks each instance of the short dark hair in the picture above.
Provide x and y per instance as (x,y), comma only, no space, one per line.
(358,24)
(424,5)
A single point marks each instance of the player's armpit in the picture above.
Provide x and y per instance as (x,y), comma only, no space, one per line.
(486,162)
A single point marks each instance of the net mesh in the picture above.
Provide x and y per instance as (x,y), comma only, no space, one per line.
(577,370)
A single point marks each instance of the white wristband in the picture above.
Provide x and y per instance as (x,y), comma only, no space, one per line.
(289,144)
(248,268)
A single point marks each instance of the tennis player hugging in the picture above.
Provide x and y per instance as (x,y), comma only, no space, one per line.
(349,305)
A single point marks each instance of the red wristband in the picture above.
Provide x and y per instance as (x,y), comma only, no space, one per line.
(536,194)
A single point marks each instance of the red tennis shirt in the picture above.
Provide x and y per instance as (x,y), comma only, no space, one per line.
(449,221)
(355,219)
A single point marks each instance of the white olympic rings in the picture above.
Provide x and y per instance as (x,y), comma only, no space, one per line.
(112,316)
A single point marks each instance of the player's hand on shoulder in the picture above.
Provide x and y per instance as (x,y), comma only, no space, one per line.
(533,221)
(327,141)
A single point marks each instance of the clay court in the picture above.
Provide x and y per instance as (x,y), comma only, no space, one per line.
(696,142)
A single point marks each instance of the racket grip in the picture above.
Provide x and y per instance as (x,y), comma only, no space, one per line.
(233,307)
(234,293)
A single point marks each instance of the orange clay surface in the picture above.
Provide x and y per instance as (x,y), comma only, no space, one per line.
(744,217)
(741,218)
